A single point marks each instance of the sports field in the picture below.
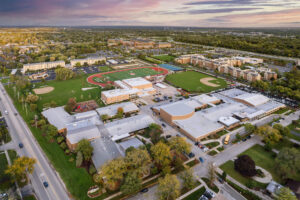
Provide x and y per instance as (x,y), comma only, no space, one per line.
(192,81)
(109,77)
(165,58)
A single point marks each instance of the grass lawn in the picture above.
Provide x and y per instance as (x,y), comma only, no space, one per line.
(282,110)
(283,143)
(142,72)
(12,155)
(214,187)
(105,68)
(30,197)
(190,81)
(192,163)
(195,195)
(212,144)
(63,90)
(152,60)
(212,153)
(165,58)
(265,160)
(4,179)
(228,167)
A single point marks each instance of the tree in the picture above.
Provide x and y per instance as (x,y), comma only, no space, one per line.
(70,105)
(64,74)
(245,165)
(180,145)
(168,187)
(211,174)
(249,128)
(161,154)
(285,194)
(104,117)
(284,131)
(138,159)
(33,107)
(86,148)
(132,183)
(288,162)
(20,167)
(79,159)
(155,132)
(31,98)
(269,134)
(113,171)
(120,112)
(188,178)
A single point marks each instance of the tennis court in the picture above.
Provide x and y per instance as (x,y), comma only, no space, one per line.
(171,67)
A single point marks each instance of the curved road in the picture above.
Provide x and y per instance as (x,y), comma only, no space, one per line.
(21,133)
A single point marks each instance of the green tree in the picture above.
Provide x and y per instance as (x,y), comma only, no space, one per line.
(168,187)
(33,107)
(112,172)
(188,178)
(70,105)
(31,98)
(79,159)
(86,148)
(285,194)
(269,134)
(20,167)
(161,154)
(64,74)
(138,159)
(180,145)
(249,128)
(132,183)
(288,162)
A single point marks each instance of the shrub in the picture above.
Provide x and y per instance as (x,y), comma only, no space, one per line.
(154,170)
(71,159)
(67,151)
(260,173)
(92,169)
(267,147)
(60,139)
(224,175)
(245,165)
(79,159)
(63,145)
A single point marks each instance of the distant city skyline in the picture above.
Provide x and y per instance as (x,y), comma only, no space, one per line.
(195,13)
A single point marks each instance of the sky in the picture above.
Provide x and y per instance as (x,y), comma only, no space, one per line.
(188,13)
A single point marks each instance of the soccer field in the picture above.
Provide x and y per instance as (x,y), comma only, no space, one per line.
(192,81)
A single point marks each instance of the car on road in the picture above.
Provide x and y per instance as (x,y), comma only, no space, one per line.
(21,145)
(43,180)
(45,183)
(6,112)
(16,114)
(201,159)
(144,190)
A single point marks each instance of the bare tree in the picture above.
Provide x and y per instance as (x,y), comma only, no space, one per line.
(211,174)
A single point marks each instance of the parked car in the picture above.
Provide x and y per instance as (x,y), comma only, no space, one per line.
(21,145)
(249,136)
(144,190)
(244,139)
(191,155)
(6,112)
(203,197)
(163,125)
(209,194)
(168,136)
(220,180)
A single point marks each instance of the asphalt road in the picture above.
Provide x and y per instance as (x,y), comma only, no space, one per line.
(21,133)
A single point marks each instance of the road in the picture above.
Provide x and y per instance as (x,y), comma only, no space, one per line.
(21,133)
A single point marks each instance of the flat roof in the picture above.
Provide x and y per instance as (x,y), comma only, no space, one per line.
(232,92)
(228,121)
(198,125)
(128,125)
(160,85)
(138,81)
(89,132)
(118,92)
(253,99)
(132,142)
(178,108)
(205,99)
(104,150)
(113,109)
(58,117)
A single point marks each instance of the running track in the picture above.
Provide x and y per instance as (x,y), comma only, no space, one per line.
(90,79)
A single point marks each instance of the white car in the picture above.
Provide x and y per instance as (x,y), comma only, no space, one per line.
(6,112)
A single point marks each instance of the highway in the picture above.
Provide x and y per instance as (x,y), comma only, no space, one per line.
(21,133)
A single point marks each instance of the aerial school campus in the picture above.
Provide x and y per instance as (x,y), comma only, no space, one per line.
(117,129)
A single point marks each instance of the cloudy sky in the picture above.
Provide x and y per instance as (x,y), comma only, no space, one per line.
(201,13)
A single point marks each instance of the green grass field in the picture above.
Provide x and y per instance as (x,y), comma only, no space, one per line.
(190,81)
(142,72)
(165,58)
(63,90)
(195,195)
(4,179)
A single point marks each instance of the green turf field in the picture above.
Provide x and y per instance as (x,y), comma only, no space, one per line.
(190,81)
(165,58)
(141,72)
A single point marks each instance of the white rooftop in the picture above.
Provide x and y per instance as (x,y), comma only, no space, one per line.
(118,92)
(205,99)
(228,121)
(132,142)
(127,125)
(58,117)
(198,125)
(88,132)
(138,81)
(253,99)
(178,108)
(113,109)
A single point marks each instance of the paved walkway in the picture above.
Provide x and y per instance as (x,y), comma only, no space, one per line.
(267,176)
(7,146)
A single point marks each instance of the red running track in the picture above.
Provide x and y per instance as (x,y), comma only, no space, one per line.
(90,79)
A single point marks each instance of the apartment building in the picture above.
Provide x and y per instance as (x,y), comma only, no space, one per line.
(89,61)
(43,65)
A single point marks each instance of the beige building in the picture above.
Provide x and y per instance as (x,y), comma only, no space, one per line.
(163,45)
(128,89)
(89,61)
(43,65)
